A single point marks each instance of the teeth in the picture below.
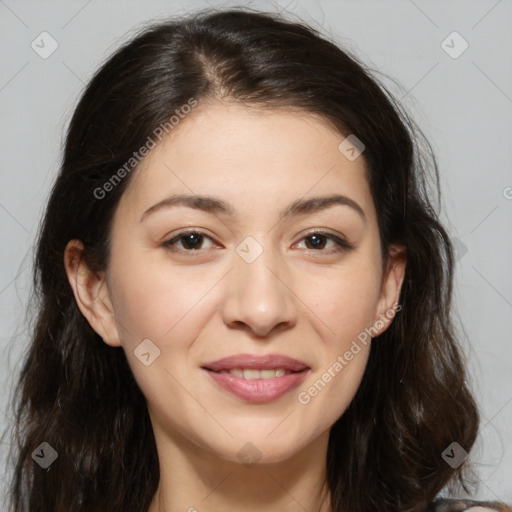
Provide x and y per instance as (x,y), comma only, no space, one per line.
(250,374)
(270,374)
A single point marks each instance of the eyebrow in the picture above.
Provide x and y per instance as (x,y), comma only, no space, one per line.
(214,205)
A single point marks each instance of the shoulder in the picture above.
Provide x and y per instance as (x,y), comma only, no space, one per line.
(465,505)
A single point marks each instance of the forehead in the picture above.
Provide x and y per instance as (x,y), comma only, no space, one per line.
(255,159)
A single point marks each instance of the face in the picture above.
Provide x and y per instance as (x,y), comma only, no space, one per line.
(258,268)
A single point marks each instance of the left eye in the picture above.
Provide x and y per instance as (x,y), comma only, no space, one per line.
(316,241)
(191,242)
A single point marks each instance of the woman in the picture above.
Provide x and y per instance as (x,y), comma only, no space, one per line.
(244,289)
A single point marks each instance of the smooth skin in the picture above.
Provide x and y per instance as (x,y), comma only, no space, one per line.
(198,300)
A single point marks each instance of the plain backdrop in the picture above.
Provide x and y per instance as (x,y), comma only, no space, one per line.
(461,97)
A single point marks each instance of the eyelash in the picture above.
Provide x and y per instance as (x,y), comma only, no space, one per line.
(342,245)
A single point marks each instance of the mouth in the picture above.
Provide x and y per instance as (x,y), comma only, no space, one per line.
(256,362)
(251,373)
(257,378)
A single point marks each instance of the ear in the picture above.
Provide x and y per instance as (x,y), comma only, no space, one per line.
(91,294)
(391,286)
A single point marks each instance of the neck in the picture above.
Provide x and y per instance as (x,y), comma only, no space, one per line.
(193,479)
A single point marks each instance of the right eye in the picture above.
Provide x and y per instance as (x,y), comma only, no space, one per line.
(191,241)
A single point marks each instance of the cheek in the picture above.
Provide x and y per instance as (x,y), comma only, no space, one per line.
(346,305)
(164,307)
(167,303)
(345,300)
(327,393)
(151,304)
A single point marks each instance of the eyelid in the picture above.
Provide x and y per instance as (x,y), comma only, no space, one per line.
(322,231)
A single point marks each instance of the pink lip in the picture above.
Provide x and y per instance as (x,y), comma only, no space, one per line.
(251,361)
(257,390)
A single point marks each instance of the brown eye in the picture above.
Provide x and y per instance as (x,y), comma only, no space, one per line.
(317,241)
(190,241)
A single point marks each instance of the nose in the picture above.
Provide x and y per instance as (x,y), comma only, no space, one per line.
(258,297)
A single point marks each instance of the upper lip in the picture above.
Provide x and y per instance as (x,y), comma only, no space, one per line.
(256,362)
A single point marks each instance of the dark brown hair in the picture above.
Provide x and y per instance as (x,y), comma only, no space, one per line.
(79,395)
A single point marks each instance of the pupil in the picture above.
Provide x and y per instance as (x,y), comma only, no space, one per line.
(318,240)
(192,239)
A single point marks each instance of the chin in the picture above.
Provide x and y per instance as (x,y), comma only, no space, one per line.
(258,452)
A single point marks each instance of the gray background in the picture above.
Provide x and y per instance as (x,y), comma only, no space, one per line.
(463,104)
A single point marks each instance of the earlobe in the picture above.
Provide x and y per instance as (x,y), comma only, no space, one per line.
(91,293)
(391,287)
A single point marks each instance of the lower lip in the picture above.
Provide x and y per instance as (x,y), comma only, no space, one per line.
(258,390)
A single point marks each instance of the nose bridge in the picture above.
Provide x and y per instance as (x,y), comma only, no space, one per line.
(257,295)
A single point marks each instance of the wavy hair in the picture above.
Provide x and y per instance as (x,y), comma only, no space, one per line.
(78,394)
